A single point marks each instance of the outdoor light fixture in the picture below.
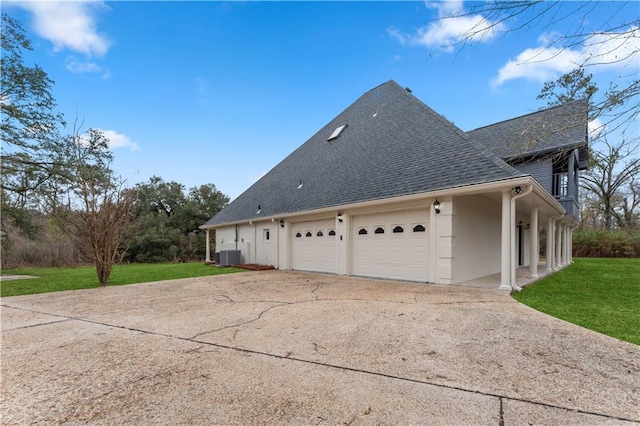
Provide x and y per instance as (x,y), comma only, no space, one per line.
(436,206)
(339,217)
(517,190)
(520,224)
(528,226)
(281,223)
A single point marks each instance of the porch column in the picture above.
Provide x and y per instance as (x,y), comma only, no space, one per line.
(549,250)
(207,256)
(505,247)
(534,249)
(565,245)
(570,246)
(558,251)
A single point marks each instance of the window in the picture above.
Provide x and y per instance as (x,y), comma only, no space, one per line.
(266,234)
(418,228)
(398,230)
(332,233)
(379,230)
(298,235)
(362,231)
(319,234)
(308,234)
(337,132)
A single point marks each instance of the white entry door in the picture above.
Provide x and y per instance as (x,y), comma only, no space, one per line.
(314,246)
(392,245)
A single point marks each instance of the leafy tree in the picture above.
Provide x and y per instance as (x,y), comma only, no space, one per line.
(569,87)
(31,145)
(167,218)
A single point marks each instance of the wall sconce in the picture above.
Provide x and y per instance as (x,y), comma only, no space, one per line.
(520,224)
(436,206)
(339,217)
(281,223)
(517,190)
(528,226)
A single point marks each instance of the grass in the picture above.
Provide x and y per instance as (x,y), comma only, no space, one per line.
(599,294)
(59,279)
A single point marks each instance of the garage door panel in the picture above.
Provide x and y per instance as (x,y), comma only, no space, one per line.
(396,255)
(316,252)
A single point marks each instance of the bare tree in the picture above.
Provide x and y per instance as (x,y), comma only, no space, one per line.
(614,42)
(98,210)
(612,170)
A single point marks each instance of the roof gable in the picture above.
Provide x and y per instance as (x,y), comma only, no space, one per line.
(544,131)
(393,145)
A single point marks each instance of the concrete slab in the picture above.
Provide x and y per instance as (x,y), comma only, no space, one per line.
(297,348)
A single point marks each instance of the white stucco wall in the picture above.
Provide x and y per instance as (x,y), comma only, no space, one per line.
(476,237)
(251,242)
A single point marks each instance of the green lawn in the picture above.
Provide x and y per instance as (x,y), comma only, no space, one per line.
(600,294)
(58,279)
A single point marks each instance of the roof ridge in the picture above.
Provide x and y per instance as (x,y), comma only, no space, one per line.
(539,111)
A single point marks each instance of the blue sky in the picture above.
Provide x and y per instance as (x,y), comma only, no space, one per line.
(212,92)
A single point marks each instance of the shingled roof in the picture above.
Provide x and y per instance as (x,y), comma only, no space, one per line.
(392,145)
(541,132)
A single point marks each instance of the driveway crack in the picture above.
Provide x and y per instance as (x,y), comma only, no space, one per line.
(264,311)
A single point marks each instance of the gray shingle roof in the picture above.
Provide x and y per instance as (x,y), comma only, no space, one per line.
(547,130)
(393,145)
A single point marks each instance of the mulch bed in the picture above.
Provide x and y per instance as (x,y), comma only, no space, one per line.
(254,267)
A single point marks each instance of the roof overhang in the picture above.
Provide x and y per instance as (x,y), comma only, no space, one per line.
(539,197)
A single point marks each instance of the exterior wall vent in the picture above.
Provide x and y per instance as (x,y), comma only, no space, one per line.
(337,132)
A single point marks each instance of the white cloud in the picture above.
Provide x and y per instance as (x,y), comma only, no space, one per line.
(595,128)
(81,67)
(69,25)
(118,140)
(452,27)
(600,51)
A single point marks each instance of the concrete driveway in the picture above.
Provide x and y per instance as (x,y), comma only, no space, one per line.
(294,348)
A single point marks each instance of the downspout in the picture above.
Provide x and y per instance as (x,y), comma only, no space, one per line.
(512,224)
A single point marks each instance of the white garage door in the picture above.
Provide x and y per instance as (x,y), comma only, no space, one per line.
(315,246)
(392,245)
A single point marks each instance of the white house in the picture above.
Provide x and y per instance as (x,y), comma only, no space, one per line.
(391,189)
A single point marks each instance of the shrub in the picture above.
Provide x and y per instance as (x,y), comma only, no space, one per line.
(606,243)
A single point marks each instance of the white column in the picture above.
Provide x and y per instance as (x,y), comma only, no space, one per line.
(534,250)
(558,252)
(565,245)
(570,247)
(505,247)
(207,256)
(549,250)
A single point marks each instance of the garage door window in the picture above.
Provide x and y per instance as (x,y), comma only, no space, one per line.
(308,234)
(332,233)
(418,228)
(379,230)
(319,234)
(362,231)
(398,230)
(298,235)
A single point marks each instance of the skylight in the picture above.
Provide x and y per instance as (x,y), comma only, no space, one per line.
(337,132)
